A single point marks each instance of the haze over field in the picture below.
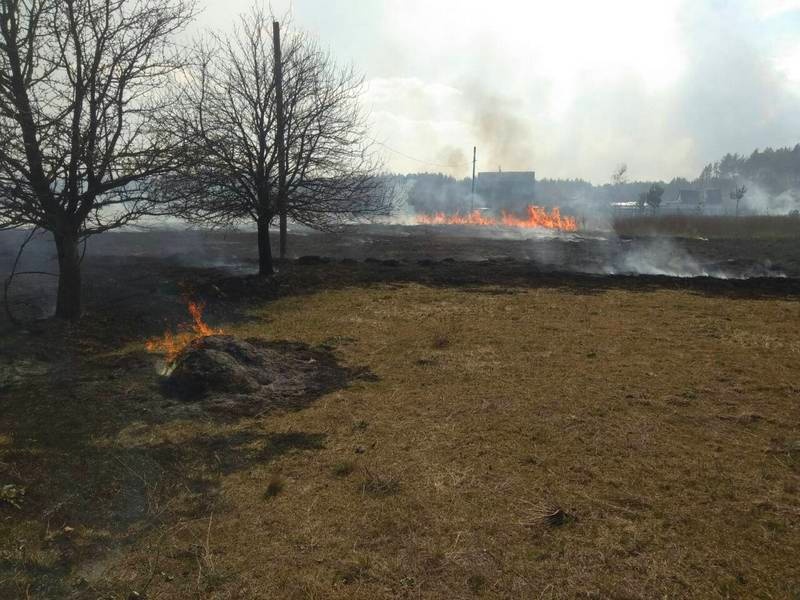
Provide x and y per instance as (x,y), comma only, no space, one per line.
(570,88)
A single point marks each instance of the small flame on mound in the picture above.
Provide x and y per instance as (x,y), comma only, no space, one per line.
(536,217)
(172,344)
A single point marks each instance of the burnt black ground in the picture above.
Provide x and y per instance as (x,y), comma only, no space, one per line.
(230,376)
(147,271)
(596,252)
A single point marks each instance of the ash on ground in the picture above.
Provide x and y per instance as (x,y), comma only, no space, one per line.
(250,377)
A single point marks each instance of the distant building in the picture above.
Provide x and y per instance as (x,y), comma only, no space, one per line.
(511,190)
(625,209)
(689,199)
(713,202)
(685,202)
(713,197)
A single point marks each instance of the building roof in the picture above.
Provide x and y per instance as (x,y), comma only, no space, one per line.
(507,175)
(688,197)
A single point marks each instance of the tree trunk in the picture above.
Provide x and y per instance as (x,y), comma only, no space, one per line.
(280,137)
(68,302)
(264,248)
(283,230)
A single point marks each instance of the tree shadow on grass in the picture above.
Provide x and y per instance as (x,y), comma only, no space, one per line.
(88,491)
(85,501)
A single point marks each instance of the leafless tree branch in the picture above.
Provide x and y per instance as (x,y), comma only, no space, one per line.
(81,98)
(225,119)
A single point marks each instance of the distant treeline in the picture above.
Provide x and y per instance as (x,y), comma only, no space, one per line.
(767,173)
(776,171)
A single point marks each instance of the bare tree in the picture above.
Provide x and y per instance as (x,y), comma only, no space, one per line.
(226,119)
(620,175)
(737,196)
(79,136)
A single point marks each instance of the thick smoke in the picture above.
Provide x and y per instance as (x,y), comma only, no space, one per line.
(715,86)
(504,133)
(662,256)
(760,201)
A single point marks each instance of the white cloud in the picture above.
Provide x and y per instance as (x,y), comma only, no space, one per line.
(768,9)
(788,63)
(569,88)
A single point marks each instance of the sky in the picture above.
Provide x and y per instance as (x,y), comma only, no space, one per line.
(569,89)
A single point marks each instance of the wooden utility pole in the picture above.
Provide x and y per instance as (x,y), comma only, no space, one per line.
(280,135)
(474,160)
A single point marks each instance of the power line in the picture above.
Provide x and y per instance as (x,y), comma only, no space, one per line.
(419,160)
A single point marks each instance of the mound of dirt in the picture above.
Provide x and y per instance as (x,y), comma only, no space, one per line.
(247,377)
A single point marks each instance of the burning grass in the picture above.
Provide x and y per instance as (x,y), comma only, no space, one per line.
(535,217)
(170,345)
(564,442)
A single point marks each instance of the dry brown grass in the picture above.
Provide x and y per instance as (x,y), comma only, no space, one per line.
(664,425)
(711,227)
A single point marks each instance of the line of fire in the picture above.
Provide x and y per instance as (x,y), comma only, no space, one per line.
(515,192)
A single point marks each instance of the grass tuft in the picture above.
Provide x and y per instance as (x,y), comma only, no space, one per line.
(476,583)
(353,572)
(343,468)
(550,515)
(378,485)
(275,486)
(440,342)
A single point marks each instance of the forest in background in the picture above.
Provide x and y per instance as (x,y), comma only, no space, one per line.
(772,178)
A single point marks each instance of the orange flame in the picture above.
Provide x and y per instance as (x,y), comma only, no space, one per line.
(172,344)
(535,217)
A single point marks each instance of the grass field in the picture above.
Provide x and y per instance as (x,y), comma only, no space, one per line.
(664,423)
(711,227)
